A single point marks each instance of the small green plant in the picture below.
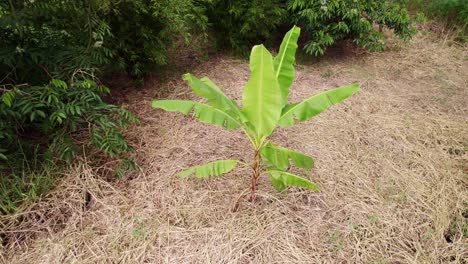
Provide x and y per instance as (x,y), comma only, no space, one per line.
(265,106)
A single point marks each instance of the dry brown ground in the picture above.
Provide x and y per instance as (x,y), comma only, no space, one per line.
(392,162)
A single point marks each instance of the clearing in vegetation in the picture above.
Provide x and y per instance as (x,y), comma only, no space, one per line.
(392,163)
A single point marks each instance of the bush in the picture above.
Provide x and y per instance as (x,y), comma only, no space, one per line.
(451,11)
(239,24)
(143,31)
(454,13)
(56,37)
(51,55)
(50,52)
(42,40)
(327,22)
(59,116)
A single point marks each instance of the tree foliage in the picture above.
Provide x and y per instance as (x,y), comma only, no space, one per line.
(144,31)
(52,54)
(453,13)
(240,24)
(328,21)
(59,36)
(58,115)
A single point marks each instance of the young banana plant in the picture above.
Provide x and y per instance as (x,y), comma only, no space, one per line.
(264,107)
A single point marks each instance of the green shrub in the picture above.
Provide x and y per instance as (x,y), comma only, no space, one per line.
(327,22)
(239,24)
(53,38)
(50,124)
(454,13)
(143,31)
(57,116)
(451,11)
(50,52)
(43,40)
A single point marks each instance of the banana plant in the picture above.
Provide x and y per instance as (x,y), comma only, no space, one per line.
(265,106)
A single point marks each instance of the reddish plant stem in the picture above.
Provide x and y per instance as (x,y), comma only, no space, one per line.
(256,175)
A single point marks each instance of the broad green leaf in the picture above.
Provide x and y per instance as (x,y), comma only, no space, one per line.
(279,157)
(277,183)
(289,179)
(234,105)
(8,97)
(215,168)
(208,114)
(202,112)
(207,89)
(315,105)
(261,98)
(284,62)
(174,105)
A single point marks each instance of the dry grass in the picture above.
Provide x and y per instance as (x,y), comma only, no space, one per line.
(392,163)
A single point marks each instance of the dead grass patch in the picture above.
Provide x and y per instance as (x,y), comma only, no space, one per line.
(391,161)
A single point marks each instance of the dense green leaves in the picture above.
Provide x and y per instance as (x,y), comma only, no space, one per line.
(59,112)
(145,31)
(211,169)
(53,54)
(261,98)
(40,40)
(453,13)
(328,22)
(315,104)
(239,24)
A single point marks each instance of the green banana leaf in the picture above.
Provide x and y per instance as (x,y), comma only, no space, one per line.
(215,168)
(202,112)
(261,98)
(315,105)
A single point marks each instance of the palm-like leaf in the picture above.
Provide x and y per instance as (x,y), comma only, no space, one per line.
(315,104)
(282,179)
(261,98)
(203,112)
(284,62)
(215,168)
(279,157)
(215,97)
(276,182)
